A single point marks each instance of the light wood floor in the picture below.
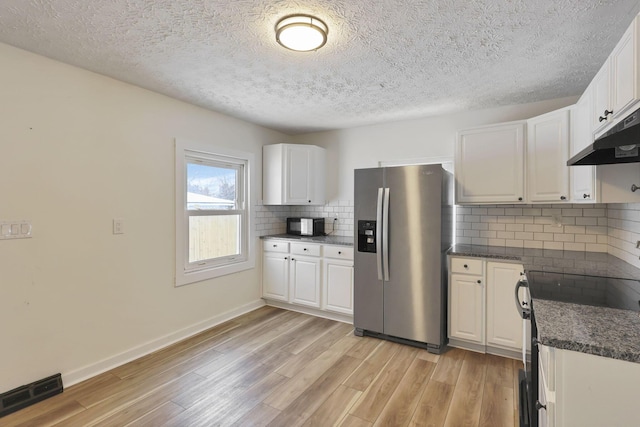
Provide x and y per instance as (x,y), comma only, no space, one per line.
(280,368)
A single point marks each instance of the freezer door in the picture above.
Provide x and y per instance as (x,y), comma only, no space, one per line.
(413,294)
(367,302)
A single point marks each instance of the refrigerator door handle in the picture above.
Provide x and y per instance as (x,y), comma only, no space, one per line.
(385,235)
(379,233)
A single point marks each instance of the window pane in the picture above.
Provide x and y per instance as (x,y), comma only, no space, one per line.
(213,237)
(211,187)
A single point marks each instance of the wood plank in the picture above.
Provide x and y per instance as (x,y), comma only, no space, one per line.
(125,399)
(372,401)
(227,408)
(402,404)
(310,400)
(319,346)
(145,383)
(449,365)
(335,408)
(57,415)
(314,330)
(157,416)
(433,405)
(500,371)
(351,421)
(497,406)
(191,346)
(284,395)
(259,416)
(366,348)
(466,402)
(371,367)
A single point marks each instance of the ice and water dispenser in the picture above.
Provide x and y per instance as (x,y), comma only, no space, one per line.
(366,236)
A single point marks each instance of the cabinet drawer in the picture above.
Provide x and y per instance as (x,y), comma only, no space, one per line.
(340,252)
(305,249)
(466,266)
(275,246)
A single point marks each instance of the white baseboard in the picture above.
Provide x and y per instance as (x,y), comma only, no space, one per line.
(345,318)
(91,370)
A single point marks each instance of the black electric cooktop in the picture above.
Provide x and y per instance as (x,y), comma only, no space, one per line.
(613,292)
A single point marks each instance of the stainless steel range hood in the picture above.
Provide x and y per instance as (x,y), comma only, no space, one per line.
(619,145)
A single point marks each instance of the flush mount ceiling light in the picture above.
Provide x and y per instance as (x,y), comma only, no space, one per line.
(301,33)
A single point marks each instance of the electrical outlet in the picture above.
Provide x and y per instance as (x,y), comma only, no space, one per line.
(118,226)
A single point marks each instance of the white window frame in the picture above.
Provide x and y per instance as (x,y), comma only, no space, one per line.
(186,272)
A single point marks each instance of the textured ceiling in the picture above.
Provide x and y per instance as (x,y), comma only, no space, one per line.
(384,60)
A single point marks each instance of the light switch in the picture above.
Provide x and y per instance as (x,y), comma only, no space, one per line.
(15,229)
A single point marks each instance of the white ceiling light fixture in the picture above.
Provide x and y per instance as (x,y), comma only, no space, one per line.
(301,33)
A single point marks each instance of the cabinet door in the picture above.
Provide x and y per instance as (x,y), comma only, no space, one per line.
(275,276)
(338,286)
(490,164)
(298,164)
(600,91)
(305,281)
(581,178)
(466,308)
(504,324)
(616,181)
(624,82)
(547,154)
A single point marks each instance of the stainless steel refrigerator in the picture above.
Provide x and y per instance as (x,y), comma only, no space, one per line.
(403,227)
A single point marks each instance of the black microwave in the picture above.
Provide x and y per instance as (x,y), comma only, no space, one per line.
(305,226)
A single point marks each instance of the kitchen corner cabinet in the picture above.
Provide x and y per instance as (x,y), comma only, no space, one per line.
(489,164)
(293,174)
(547,155)
(308,275)
(580,389)
(482,313)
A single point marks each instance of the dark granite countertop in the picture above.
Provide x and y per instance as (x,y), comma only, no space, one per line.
(601,331)
(325,240)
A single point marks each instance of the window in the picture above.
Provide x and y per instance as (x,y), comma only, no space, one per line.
(213,233)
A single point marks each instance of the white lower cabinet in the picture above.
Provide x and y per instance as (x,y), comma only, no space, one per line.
(579,389)
(504,324)
(338,279)
(275,270)
(319,277)
(305,280)
(482,310)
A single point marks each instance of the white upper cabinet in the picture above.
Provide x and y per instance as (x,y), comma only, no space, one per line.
(490,164)
(616,87)
(547,154)
(602,112)
(293,174)
(581,178)
(625,85)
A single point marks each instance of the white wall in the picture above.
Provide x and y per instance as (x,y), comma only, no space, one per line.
(364,147)
(76,150)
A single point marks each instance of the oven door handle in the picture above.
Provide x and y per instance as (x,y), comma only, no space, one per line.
(524,312)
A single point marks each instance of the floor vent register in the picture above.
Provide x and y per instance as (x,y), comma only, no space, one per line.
(29,394)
